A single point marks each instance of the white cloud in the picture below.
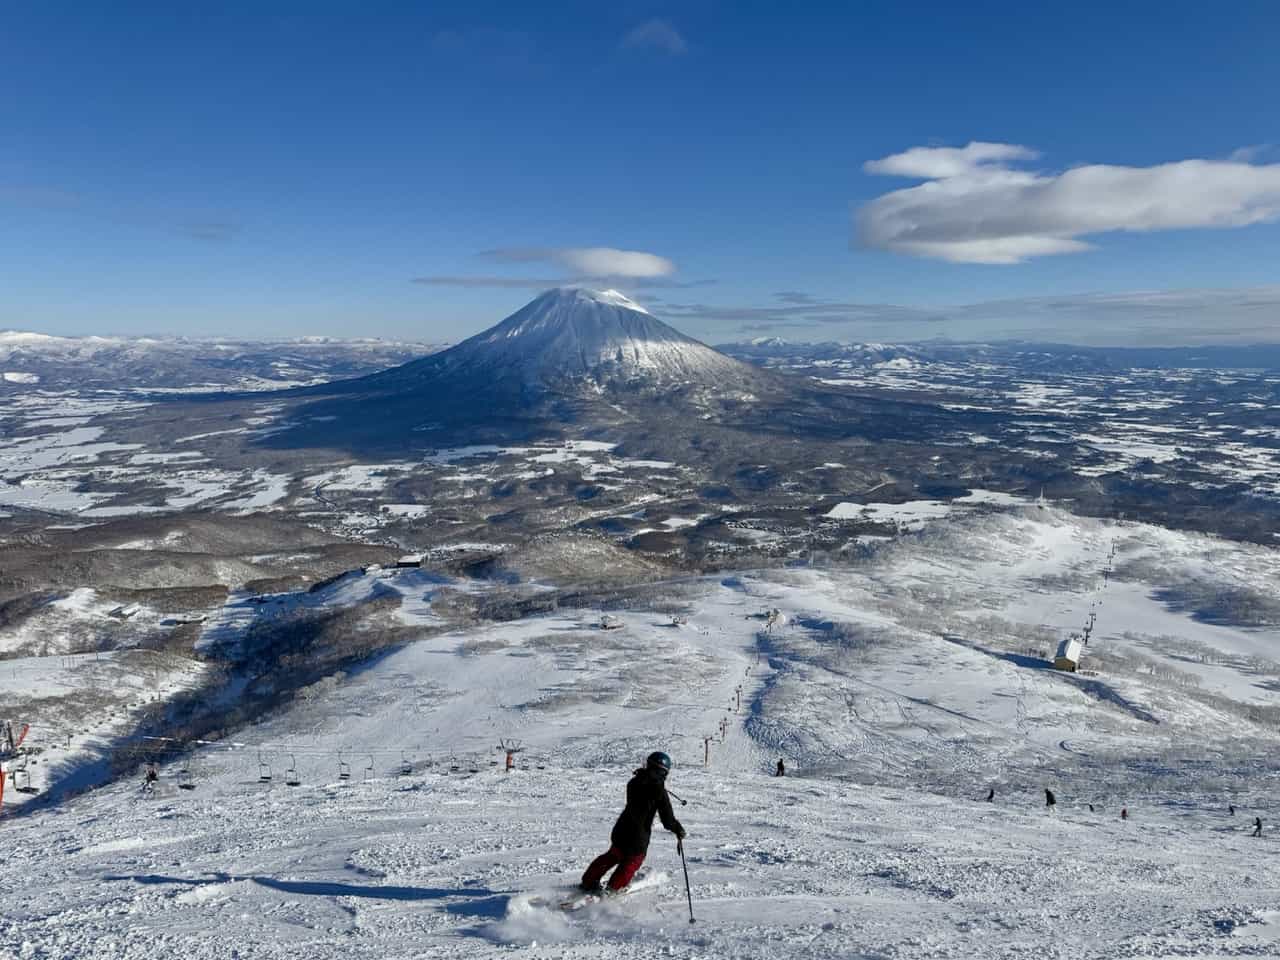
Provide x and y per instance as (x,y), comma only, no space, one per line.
(975,207)
(935,163)
(657,35)
(590,262)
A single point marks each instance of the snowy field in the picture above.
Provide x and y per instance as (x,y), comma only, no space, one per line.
(1113,422)
(56,457)
(899,689)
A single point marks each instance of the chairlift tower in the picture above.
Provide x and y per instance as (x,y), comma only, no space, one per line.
(510,748)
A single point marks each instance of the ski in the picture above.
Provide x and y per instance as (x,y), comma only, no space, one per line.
(641,883)
(581,900)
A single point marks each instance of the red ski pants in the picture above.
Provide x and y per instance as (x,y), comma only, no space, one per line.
(627,864)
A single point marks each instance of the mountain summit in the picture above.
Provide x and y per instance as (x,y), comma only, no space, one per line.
(576,340)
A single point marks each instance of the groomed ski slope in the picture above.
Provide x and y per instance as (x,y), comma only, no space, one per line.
(879,843)
(447,866)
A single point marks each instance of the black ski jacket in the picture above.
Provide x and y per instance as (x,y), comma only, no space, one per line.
(646,796)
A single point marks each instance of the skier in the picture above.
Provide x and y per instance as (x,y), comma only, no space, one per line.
(782,769)
(1124,813)
(1231,809)
(629,841)
(991,795)
(149,780)
(1050,801)
(1257,826)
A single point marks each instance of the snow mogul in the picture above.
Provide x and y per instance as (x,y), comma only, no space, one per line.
(629,841)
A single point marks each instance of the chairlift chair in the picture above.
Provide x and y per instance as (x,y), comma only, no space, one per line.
(22,779)
(291,778)
(368,770)
(264,769)
(406,767)
(185,780)
(344,769)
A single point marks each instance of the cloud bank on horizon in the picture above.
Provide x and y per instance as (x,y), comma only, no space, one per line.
(978,203)
(1185,317)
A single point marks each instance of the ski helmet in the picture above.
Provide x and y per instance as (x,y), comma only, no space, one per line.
(659,762)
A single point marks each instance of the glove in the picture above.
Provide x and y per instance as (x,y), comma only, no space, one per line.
(680,834)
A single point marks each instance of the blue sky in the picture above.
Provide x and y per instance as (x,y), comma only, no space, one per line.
(419,170)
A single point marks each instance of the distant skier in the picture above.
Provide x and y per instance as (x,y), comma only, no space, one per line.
(1050,801)
(629,841)
(782,769)
(991,795)
(1257,826)
(1124,813)
(150,778)
(1231,809)
(1091,808)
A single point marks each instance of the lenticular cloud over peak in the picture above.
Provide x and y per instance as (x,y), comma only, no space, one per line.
(977,206)
(589,261)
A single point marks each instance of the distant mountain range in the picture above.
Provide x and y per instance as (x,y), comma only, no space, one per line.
(568,341)
(38,361)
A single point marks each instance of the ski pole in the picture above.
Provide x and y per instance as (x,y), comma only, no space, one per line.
(687,891)
(683,803)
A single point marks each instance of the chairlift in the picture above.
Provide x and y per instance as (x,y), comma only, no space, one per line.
(291,778)
(22,779)
(264,769)
(406,767)
(368,770)
(344,769)
(185,780)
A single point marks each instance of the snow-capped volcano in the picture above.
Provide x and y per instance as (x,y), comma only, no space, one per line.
(571,338)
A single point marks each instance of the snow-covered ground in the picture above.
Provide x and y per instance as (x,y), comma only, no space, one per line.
(439,864)
(899,689)
(51,443)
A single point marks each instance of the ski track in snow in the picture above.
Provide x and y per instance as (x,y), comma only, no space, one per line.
(878,845)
